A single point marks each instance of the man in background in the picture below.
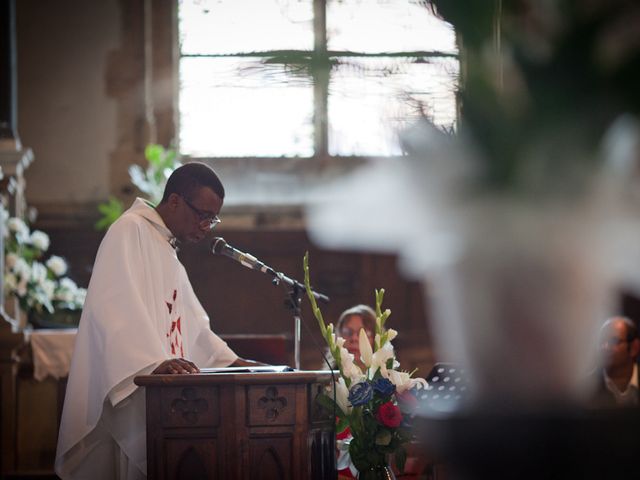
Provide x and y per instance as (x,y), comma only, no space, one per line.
(617,382)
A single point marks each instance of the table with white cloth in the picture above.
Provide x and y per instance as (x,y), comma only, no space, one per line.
(52,350)
(34,378)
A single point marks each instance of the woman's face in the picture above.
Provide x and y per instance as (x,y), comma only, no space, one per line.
(350,331)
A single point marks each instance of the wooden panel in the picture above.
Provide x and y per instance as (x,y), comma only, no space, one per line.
(188,406)
(270,458)
(271,405)
(189,459)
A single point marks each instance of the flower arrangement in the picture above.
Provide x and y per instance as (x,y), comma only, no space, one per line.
(373,406)
(39,285)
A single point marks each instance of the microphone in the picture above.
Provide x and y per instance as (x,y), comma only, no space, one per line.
(220,247)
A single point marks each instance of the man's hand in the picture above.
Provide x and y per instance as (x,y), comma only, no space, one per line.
(176,366)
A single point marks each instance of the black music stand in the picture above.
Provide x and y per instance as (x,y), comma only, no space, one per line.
(447,391)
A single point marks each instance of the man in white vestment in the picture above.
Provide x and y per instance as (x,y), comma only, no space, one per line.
(141,316)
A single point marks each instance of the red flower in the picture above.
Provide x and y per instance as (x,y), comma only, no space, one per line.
(389,415)
(343,434)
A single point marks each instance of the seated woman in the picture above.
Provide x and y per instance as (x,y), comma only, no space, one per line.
(350,323)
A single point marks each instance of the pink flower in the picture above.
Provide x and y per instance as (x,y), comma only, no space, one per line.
(389,415)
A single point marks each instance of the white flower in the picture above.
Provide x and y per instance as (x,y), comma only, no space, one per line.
(349,369)
(67,290)
(379,361)
(21,288)
(48,287)
(38,272)
(63,295)
(403,381)
(10,260)
(68,284)
(40,240)
(19,228)
(342,396)
(57,265)
(22,268)
(365,348)
(391,334)
(10,281)
(81,295)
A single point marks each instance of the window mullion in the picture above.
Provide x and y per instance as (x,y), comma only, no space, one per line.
(320,80)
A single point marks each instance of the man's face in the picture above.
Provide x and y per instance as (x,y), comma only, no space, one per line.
(195,216)
(615,347)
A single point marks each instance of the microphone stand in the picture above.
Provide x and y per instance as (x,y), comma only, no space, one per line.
(295,290)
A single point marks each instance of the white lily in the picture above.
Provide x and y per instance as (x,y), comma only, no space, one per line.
(342,396)
(391,334)
(365,348)
(349,369)
(379,361)
(403,381)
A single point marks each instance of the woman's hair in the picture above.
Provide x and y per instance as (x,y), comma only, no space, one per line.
(365,312)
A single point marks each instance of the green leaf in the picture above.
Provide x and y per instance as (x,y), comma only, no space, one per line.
(154,154)
(401,458)
(111,211)
(343,423)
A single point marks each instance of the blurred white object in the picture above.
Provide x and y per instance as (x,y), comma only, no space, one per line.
(519,285)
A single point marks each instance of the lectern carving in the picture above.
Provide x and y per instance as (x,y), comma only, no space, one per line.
(240,426)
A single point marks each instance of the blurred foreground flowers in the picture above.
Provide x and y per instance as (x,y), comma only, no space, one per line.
(523,222)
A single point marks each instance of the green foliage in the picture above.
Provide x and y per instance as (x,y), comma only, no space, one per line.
(111,211)
(150,181)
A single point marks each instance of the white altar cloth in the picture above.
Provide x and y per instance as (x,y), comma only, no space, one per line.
(52,350)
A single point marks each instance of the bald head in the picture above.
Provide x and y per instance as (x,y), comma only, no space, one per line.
(619,341)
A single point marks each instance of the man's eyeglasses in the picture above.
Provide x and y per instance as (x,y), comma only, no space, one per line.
(613,341)
(207,221)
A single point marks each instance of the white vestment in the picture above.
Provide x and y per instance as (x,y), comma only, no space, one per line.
(140,310)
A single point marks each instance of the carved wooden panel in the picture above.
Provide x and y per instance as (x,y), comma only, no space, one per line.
(191,459)
(270,458)
(322,449)
(271,405)
(188,406)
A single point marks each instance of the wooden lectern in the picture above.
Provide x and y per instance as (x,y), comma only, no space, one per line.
(238,426)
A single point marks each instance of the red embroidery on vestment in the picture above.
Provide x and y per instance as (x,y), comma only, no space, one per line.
(175,331)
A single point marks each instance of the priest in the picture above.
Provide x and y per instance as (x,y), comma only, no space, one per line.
(141,316)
